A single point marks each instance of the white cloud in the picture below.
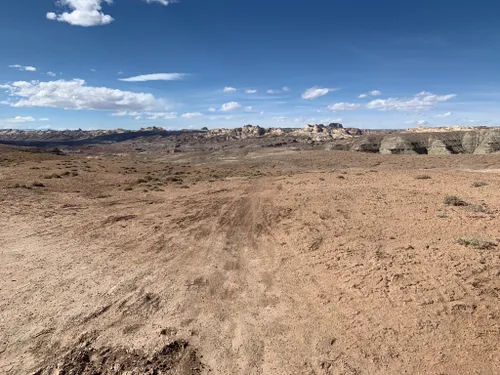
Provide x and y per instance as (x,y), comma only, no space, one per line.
(371,93)
(155,77)
(316,92)
(52,74)
(447,114)
(162,2)
(92,70)
(231,106)
(23,68)
(212,109)
(89,12)
(192,114)
(137,115)
(274,92)
(126,113)
(249,109)
(420,102)
(342,106)
(44,119)
(280,118)
(18,119)
(229,89)
(159,115)
(250,91)
(305,120)
(418,122)
(84,13)
(75,94)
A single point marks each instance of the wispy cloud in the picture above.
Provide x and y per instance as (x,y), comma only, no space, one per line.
(162,2)
(147,115)
(52,74)
(23,68)
(417,122)
(420,102)
(160,115)
(447,114)
(342,106)
(75,94)
(229,89)
(316,92)
(231,106)
(274,92)
(192,114)
(20,119)
(371,93)
(250,91)
(155,77)
(212,109)
(44,119)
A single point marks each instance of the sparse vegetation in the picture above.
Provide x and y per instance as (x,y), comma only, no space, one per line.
(422,177)
(476,243)
(477,184)
(51,176)
(453,200)
(478,208)
(22,186)
(38,184)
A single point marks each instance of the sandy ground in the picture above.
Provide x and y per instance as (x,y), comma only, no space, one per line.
(263,262)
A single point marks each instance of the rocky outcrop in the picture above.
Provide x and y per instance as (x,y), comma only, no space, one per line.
(317,132)
(489,142)
(480,141)
(438,147)
(441,129)
(402,145)
(369,143)
(333,136)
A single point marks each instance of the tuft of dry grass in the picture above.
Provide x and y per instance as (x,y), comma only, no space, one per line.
(478,208)
(453,200)
(476,243)
(479,184)
(422,177)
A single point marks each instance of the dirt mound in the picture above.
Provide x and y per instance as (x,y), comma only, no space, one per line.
(176,358)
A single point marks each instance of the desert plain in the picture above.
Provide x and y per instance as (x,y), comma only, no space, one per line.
(248,261)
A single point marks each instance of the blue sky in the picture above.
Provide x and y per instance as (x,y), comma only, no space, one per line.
(220,63)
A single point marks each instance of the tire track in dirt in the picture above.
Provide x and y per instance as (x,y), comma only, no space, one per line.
(241,286)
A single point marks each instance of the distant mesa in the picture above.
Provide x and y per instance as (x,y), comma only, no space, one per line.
(419,140)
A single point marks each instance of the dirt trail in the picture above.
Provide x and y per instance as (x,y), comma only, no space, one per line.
(353,271)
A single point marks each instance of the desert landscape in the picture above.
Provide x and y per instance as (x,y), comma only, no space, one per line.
(250,252)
